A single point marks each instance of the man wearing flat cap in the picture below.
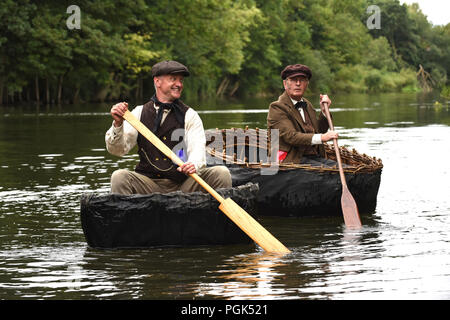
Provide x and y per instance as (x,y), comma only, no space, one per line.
(301,132)
(175,124)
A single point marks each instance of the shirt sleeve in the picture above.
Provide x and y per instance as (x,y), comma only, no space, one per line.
(120,140)
(195,139)
(316,139)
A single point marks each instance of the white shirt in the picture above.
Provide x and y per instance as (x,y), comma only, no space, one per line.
(120,140)
(317,138)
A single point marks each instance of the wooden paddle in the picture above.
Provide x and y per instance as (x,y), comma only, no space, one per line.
(349,207)
(238,215)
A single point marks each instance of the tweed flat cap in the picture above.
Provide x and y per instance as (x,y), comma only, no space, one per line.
(295,70)
(169,67)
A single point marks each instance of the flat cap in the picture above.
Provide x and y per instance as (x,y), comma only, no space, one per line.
(169,67)
(295,70)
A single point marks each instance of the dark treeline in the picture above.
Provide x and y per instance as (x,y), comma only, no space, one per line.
(232,48)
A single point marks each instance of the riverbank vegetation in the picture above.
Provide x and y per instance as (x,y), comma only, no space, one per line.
(232,48)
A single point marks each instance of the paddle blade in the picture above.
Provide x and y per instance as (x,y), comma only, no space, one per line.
(251,227)
(350,210)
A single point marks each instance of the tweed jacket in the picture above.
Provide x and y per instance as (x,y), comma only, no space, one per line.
(293,137)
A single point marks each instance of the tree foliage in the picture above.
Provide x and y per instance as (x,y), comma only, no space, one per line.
(232,47)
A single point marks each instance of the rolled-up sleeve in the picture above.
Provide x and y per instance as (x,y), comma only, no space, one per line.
(120,140)
(195,139)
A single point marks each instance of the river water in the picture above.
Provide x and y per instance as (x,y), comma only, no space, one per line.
(49,156)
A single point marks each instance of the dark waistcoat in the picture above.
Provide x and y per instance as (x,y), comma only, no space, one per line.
(153,163)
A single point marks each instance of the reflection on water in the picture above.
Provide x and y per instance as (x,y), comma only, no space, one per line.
(247,276)
(49,157)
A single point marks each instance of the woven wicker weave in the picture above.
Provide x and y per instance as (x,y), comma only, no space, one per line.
(356,162)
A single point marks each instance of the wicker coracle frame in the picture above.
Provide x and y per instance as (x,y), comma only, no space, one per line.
(237,143)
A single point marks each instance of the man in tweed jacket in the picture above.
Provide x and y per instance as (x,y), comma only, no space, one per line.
(301,132)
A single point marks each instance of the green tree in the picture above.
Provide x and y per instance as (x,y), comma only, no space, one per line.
(233,48)
(208,36)
(14,25)
(397,28)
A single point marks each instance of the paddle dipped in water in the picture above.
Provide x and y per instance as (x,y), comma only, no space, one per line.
(348,204)
(233,211)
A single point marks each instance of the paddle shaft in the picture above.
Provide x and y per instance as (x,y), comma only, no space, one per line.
(348,203)
(336,147)
(238,215)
